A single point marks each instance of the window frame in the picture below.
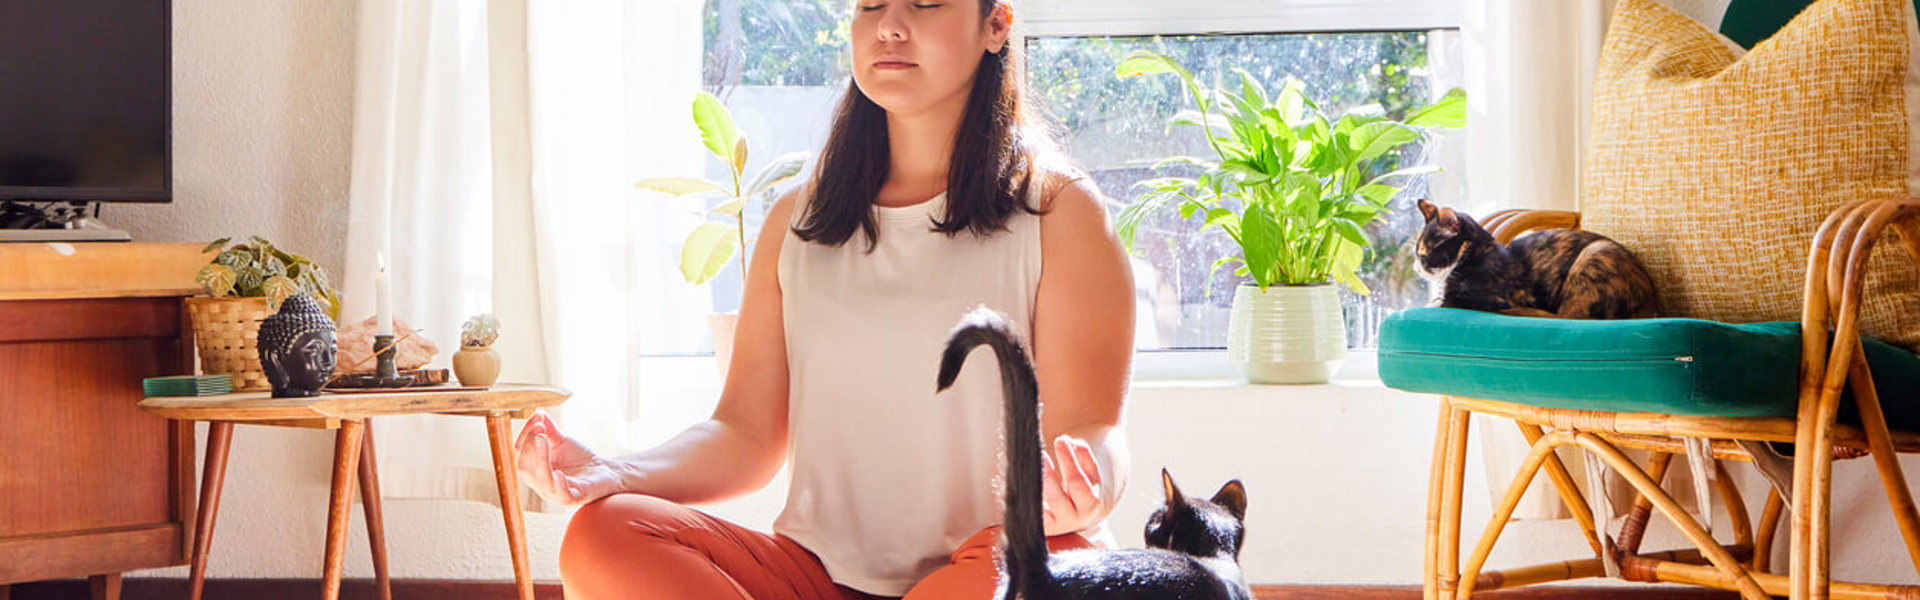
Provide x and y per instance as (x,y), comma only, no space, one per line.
(1056,18)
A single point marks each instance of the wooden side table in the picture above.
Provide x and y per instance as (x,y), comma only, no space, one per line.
(350,414)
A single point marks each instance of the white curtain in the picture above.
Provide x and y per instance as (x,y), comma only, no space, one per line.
(494,145)
(1530,66)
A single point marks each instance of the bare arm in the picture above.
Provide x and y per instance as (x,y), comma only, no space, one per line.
(1083,353)
(735,452)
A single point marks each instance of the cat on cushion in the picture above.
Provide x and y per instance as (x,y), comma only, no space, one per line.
(1193,544)
(1562,273)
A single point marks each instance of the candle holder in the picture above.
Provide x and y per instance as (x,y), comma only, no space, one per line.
(384,368)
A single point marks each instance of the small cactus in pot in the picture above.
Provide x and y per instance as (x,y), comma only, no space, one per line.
(477,364)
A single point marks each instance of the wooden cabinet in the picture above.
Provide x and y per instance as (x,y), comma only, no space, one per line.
(89,484)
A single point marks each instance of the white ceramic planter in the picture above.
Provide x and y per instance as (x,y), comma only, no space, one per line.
(1286,334)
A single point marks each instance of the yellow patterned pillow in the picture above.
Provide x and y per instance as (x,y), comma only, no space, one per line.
(1716,168)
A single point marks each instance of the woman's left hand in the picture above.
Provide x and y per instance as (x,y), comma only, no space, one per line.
(1071,487)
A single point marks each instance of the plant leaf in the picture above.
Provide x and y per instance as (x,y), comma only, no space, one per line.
(217,279)
(1182,159)
(1450,112)
(1345,266)
(1148,62)
(1127,224)
(740,155)
(250,278)
(233,257)
(707,250)
(1224,261)
(730,208)
(1251,91)
(782,168)
(1260,241)
(1192,117)
(1220,217)
(1378,194)
(274,266)
(278,289)
(1374,139)
(716,126)
(678,186)
(216,245)
(1349,230)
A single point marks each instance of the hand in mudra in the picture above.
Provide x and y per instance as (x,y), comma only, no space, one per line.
(1071,488)
(559,468)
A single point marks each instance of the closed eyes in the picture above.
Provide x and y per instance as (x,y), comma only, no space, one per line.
(921,5)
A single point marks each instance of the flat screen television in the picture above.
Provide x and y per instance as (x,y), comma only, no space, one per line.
(85,100)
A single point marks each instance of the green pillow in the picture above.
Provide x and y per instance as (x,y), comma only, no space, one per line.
(1746,22)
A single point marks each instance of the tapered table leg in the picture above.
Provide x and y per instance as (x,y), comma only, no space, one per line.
(219,438)
(346,455)
(506,475)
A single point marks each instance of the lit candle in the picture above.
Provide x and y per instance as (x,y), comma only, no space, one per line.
(383,298)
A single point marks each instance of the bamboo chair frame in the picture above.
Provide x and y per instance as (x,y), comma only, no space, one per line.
(1831,361)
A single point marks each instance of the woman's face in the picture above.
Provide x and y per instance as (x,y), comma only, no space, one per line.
(909,55)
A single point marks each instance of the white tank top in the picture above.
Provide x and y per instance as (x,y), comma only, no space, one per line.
(888,478)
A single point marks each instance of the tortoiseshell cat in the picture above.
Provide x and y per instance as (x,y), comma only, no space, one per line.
(1562,273)
(1193,545)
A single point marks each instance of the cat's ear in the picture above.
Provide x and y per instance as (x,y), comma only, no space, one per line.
(1427,210)
(1174,497)
(1447,221)
(1233,497)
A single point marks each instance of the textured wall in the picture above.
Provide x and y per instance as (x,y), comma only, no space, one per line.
(262,126)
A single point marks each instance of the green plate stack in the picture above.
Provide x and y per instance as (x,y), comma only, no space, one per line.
(189,385)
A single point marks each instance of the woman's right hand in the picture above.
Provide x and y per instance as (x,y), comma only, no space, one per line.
(561,469)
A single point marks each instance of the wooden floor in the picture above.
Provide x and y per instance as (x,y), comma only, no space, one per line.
(428,589)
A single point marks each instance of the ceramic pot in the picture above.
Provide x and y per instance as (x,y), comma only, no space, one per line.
(476,366)
(1287,333)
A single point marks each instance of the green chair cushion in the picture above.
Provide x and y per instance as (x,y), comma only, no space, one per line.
(1671,366)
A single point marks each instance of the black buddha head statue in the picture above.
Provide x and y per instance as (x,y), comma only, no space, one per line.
(297,348)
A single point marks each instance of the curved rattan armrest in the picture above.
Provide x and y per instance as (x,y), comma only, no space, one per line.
(1837,270)
(1508,224)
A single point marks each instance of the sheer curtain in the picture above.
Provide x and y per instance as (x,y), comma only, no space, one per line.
(1530,64)
(494,145)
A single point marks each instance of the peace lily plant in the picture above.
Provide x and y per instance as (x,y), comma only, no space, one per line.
(1294,190)
(712,244)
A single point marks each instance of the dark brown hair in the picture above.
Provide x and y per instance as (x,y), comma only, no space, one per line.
(998,155)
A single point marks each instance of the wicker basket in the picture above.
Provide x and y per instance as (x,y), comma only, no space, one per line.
(224,330)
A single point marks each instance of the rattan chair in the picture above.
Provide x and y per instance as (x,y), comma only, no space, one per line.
(1831,362)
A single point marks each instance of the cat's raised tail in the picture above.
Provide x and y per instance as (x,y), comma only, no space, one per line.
(1025,545)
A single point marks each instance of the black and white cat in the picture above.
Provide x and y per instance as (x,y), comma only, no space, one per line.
(1564,273)
(1193,545)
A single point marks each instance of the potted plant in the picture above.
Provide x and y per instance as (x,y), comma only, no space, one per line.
(477,364)
(245,283)
(1294,190)
(712,244)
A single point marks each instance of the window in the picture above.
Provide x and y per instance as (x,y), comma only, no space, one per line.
(780,66)
(1117,130)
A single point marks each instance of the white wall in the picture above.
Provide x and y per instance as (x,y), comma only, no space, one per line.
(1336,473)
(262,116)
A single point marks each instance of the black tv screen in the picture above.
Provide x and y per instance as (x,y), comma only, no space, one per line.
(85,101)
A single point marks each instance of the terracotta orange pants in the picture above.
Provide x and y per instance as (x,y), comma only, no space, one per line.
(635,546)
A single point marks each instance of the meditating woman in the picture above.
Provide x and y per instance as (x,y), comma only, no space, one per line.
(938,191)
